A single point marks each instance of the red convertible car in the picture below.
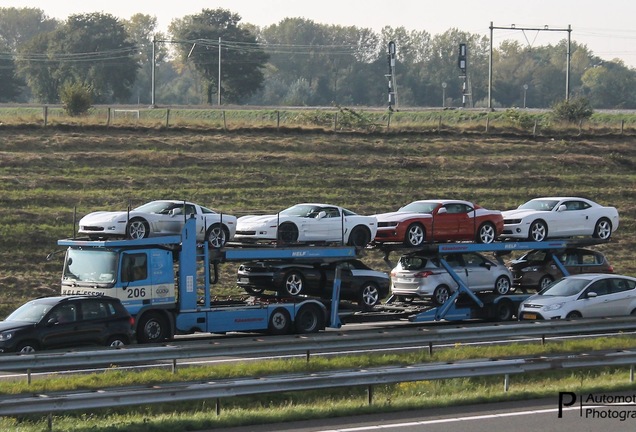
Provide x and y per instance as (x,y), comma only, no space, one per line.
(429,221)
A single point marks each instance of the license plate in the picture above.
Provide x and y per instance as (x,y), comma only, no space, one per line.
(244,280)
(529,316)
(405,280)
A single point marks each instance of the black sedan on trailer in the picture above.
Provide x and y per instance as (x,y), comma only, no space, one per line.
(359,283)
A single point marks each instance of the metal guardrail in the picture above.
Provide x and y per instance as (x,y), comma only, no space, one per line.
(119,397)
(315,343)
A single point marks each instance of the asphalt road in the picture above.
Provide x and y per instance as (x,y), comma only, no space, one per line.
(537,415)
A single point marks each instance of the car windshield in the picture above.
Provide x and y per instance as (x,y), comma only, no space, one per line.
(565,287)
(539,204)
(31,312)
(419,207)
(302,210)
(158,207)
(86,265)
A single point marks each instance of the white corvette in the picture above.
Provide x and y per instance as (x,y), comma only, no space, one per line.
(163,217)
(309,222)
(553,217)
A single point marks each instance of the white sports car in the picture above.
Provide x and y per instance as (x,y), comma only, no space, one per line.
(163,217)
(309,222)
(552,217)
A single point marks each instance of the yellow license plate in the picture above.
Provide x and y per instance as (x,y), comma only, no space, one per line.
(529,316)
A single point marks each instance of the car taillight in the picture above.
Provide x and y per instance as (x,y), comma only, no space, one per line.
(610,269)
(132,321)
(424,274)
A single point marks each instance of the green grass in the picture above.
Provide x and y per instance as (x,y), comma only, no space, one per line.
(321,404)
(48,173)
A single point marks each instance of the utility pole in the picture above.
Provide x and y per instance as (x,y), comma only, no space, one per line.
(462,63)
(538,29)
(219,90)
(391,76)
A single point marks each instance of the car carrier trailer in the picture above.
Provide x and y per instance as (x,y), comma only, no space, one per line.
(165,283)
(463,304)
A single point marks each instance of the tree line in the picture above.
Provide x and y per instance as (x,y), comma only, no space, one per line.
(295,62)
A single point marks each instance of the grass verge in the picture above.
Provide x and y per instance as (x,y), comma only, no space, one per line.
(281,407)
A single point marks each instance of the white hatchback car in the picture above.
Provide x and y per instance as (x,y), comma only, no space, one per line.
(589,295)
(421,275)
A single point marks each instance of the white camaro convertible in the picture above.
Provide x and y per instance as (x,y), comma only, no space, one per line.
(554,217)
(163,217)
(306,223)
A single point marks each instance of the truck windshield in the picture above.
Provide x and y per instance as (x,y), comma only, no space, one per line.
(85,265)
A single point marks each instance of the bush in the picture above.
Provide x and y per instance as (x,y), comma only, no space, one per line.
(573,110)
(77,98)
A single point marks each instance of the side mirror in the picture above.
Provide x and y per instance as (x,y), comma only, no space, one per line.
(321,215)
(442,210)
(591,294)
(176,211)
(562,207)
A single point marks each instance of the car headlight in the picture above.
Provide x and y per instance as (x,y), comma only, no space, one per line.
(6,336)
(530,269)
(554,306)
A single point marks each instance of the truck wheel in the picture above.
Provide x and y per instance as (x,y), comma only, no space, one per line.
(504,310)
(309,319)
(152,328)
(279,322)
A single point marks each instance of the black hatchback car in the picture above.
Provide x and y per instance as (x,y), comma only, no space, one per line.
(66,321)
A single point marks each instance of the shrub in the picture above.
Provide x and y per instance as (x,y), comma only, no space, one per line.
(573,110)
(77,98)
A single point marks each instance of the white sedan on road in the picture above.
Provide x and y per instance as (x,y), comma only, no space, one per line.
(162,217)
(309,222)
(558,217)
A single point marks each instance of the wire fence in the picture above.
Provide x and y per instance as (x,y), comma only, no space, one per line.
(365,120)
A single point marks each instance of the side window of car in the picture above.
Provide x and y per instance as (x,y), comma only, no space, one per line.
(589,259)
(190,210)
(619,285)
(599,287)
(571,258)
(66,313)
(473,260)
(332,212)
(454,260)
(93,309)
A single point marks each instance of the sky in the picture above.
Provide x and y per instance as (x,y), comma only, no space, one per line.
(605,27)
